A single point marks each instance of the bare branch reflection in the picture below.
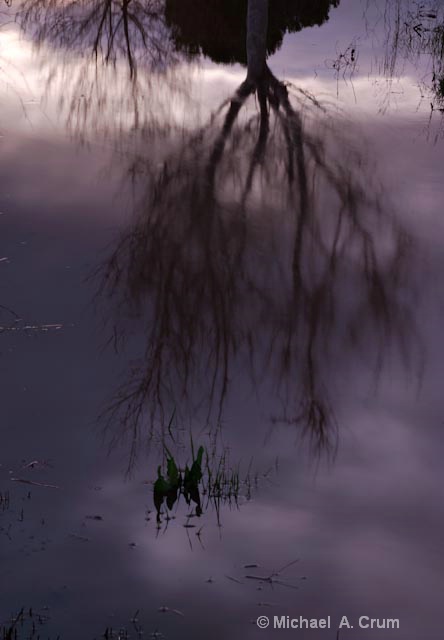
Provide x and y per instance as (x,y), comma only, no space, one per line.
(263,249)
(414,35)
(262,244)
(87,45)
(111,62)
(108,29)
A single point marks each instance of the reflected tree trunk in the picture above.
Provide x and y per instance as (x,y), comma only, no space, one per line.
(257,26)
(248,238)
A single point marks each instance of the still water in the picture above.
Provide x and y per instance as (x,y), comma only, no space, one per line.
(221,304)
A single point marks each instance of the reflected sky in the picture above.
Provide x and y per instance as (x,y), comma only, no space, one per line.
(50,83)
(366,525)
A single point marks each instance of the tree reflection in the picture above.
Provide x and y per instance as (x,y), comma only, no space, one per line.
(415,35)
(104,59)
(106,28)
(218,28)
(262,245)
(90,40)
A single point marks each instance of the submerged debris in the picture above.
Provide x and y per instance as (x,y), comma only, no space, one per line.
(26,623)
(77,537)
(35,484)
(17,325)
(234,579)
(274,576)
(4,500)
(164,609)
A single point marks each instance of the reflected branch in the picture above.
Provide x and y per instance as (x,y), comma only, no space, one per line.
(106,58)
(106,28)
(414,35)
(262,244)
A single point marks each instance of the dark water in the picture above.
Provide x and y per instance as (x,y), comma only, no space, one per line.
(166,285)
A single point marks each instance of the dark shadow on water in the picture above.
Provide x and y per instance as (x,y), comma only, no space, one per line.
(218,28)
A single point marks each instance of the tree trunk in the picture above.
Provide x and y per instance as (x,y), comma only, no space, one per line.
(257,26)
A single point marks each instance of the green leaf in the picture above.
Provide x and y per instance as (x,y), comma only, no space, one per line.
(200,456)
(172,472)
(161,486)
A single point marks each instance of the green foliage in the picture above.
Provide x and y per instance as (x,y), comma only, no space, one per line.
(173,473)
(210,477)
(169,489)
(194,475)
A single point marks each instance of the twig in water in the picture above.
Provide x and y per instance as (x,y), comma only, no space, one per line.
(35,484)
(234,579)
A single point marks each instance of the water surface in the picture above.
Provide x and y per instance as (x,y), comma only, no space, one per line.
(165,286)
